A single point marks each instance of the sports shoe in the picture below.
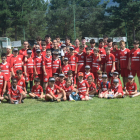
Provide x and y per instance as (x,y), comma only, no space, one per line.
(36,97)
(90,98)
(22,101)
(131,96)
(110,96)
(51,100)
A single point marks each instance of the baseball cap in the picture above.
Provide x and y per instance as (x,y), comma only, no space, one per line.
(15,50)
(80,74)
(38,50)
(8,47)
(61,75)
(116,73)
(65,59)
(29,51)
(87,67)
(71,48)
(63,45)
(51,79)
(55,74)
(130,77)
(115,81)
(104,76)
(55,52)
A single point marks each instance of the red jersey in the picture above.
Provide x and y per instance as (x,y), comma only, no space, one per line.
(131,87)
(73,79)
(21,83)
(29,65)
(2,79)
(103,55)
(92,86)
(80,60)
(135,59)
(37,90)
(76,49)
(47,62)
(67,54)
(123,57)
(116,53)
(104,86)
(86,75)
(23,53)
(48,46)
(53,89)
(105,46)
(95,63)
(99,82)
(117,89)
(112,81)
(89,59)
(82,86)
(38,64)
(43,53)
(109,62)
(16,63)
(72,61)
(9,58)
(68,90)
(56,64)
(6,69)
(15,93)
(65,69)
(61,84)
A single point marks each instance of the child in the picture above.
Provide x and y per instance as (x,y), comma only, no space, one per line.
(105,38)
(61,83)
(47,66)
(48,42)
(80,61)
(110,61)
(92,44)
(96,62)
(43,51)
(89,56)
(38,71)
(83,41)
(34,52)
(92,87)
(77,45)
(51,91)
(72,78)
(83,87)
(99,78)
(131,87)
(123,58)
(104,87)
(87,73)
(29,69)
(117,89)
(67,42)
(56,63)
(71,92)
(58,41)
(15,93)
(37,90)
(8,54)
(110,41)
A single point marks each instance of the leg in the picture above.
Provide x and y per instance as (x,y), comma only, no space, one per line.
(100,95)
(135,95)
(26,86)
(86,98)
(48,97)
(32,95)
(31,85)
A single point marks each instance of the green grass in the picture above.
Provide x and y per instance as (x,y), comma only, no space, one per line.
(95,119)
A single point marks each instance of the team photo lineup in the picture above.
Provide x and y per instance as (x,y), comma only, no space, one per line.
(56,71)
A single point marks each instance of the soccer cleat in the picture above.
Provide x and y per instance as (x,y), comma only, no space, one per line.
(131,96)
(51,100)
(22,101)
(36,97)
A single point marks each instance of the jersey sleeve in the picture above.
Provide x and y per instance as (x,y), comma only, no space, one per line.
(41,89)
(57,87)
(12,62)
(120,89)
(87,85)
(135,86)
(113,58)
(20,90)
(109,86)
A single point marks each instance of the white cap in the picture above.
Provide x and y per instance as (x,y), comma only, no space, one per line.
(8,47)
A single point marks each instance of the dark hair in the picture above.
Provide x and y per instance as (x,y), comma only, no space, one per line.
(47,36)
(88,48)
(104,73)
(114,43)
(25,41)
(38,38)
(57,36)
(48,50)
(101,40)
(67,38)
(109,40)
(105,36)
(69,72)
(43,43)
(83,37)
(36,80)
(19,71)
(90,77)
(96,49)
(136,42)
(14,79)
(3,55)
(81,47)
(92,41)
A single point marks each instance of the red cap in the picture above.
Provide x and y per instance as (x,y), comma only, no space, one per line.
(80,74)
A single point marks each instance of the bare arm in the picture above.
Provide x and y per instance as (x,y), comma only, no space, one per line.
(113,67)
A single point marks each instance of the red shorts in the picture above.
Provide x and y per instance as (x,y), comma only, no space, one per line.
(40,76)
(95,75)
(134,72)
(8,85)
(29,77)
(49,74)
(125,72)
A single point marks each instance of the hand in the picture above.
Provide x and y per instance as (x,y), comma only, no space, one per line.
(13,74)
(4,91)
(45,73)
(19,102)
(10,78)
(36,73)
(12,102)
(112,71)
(25,74)
(75,72)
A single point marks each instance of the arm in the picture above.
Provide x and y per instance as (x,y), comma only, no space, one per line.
(129,64)
(41,96)
(44,71)
(60,68)
(25,70)
(87,91)
(76,68)
(105,67)
(92,92)
(99,57)
(113,67)
(4,87)
(12,71)
(118,65)
(35,70)
(64,93)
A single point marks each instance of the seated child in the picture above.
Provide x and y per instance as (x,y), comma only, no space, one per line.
(131,87)
(99,79)
(115,76)
(56,77)
(51,91)
(87,72)
(104,87)
(83,87)
(37,90)
(61,82)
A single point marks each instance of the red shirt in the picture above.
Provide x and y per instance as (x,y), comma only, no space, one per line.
(89,59)
(38,64)
(103,55)
(117,89)
(73,79)
(6,69)
(61,84)
(47,62)
(68,89)
(65,69)
(92,86)
(37,90)
(82,87)
(123,57)
(80,60)
(16,63)
(67,54)
(99,82)
(135,59)
(29,65)
(53,89)
(116,53)
(95,63)
(9,58)
(72,61)
(43,53)
(56,64)
(103,86)
(21,83)
(48,46)
(86,75)
(131,88)
(112,81)
(23,52)
(76,49)
(2,79)
(109,62)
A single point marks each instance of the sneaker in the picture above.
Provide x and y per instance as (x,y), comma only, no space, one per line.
(51,100)
(33,97)
(131,96)
(90,98)
(22,101)
(36,97)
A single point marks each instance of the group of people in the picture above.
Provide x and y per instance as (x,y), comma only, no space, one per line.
(62,71)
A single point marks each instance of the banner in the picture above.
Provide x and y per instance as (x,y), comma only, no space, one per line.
(16,43)
(118,39)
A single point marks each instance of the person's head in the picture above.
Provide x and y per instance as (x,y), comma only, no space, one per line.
(67,40)
(63,46)
(37,81)
(96,51)
(15,51)
(48,52)
(107,49)
(61,77)
(71,50)
(19,73)
(37,47)
(43,44)
(87,68)
(38,40)
(29,53)
(55,44)
(130,79)
(115,46)
(116,82)
(105,38)
(3,57)
(88,50)
(55,55)
(70,74)
(8,49)
(110,41)
(104,78)
(51,81)
(14,82)
(77,42)
(81,48)
(101,43)
(55,76)
(90,79)
(65,61)
(47,38)
(25,45)
(136,44)
(68,49)
(80,76)
(122,44)
(92,43)
(38,52)
(57,38)
(83,41)
(115,74)
(99,73)
(68,82)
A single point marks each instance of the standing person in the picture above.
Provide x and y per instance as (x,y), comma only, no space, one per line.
(77,45)
(67,42)
(92,44)
(83,41)
(105,38)
(110,42)
(58,41)
(8,54)
(23,52)
(71,77)
(89,56)
(43,51)
(39,41)
(48,42)
(34,54)
(123,59)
